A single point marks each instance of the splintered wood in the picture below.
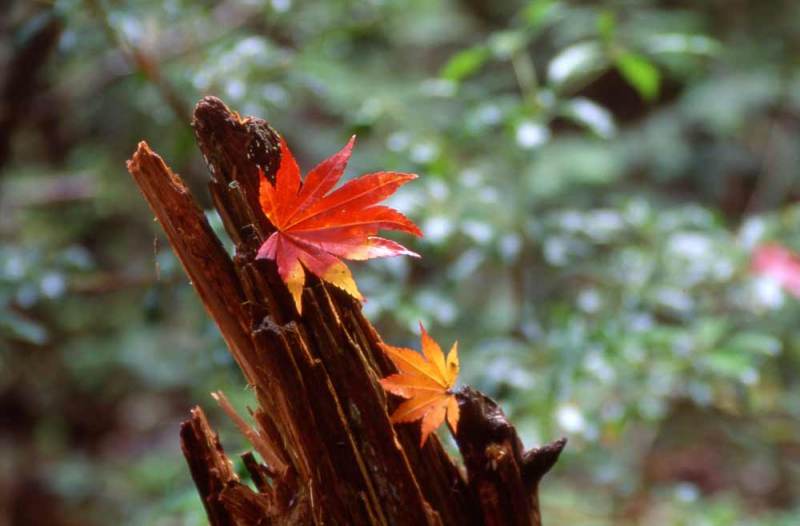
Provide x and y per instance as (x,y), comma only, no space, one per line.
(321,421)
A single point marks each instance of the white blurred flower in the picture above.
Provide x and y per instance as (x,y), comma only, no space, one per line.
(601,225)
(571,221)
(53,284)
(251,47)
(589,300)
(752,232)
(594,116)
(437,306)
(509,246)
(479,231)
(532,134)
(470,177)
(235,89)
(275,94)
(281,6)
(570,418)
(438,189)
(556,250)
(749,376)
(424,152)
(596,364)
(640,322)
(398,141)
(14,267)
(767,293)
(437,228)
(488,115)
(690,245)
(686,492)
(504,370)
(675,299)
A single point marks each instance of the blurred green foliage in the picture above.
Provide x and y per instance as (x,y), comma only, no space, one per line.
(595,177)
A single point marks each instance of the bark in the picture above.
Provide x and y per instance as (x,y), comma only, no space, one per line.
(330,453)
(503,478)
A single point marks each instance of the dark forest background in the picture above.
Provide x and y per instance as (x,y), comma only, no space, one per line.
(596,180)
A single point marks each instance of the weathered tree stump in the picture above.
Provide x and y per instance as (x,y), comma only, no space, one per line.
(330,452)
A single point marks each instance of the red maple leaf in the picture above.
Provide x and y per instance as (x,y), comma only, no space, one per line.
(316,225)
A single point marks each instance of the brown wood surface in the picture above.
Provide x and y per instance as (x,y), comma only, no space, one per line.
(321,422)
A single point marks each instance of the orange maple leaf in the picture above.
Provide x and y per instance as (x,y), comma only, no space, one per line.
(427,380)
(315,226)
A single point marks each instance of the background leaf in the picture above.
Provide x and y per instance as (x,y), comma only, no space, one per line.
(640,72)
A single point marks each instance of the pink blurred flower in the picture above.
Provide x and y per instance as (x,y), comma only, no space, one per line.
(780,264)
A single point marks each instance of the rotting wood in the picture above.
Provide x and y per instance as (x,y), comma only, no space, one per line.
(503,478)
(321,421)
